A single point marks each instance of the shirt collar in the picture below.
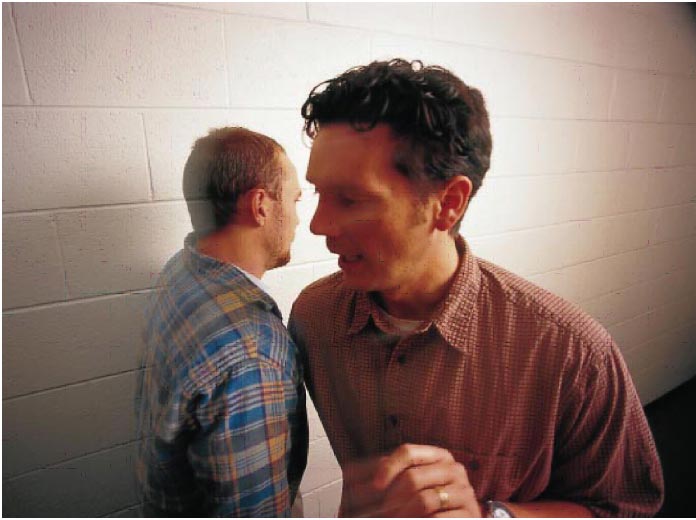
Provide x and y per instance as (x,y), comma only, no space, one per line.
(257,281)
(453,316)
(247,287)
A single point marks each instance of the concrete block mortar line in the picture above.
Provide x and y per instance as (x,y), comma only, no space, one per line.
(638,284)
(147,159)
(581,120)
(53,304)
(455,43)
(93,207)
(636,348)
(627,147)
(25,77)
(166,201)
(597,296)
(64,303)
(226,57)
(577,145)
(82,382)
(599,258)
(367,31)
(431,29)
(675,378)
(662,100)
(154,108)
(684,299)
(322,487)
(163,108)
(55,465)
(434,39)
(651,246)
(199,8)
(685,75)
(61,257)
(612,94)
(576,220)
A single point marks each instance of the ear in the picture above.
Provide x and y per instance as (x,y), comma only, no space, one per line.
(453,202)
(258,204)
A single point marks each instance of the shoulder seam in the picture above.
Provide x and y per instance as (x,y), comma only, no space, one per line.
(517,297)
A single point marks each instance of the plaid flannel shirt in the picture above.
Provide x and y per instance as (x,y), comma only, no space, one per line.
(222,413)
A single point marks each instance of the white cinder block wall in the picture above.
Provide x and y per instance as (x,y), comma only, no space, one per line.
(592,192)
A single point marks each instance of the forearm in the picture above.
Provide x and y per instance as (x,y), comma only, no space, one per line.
(548,509)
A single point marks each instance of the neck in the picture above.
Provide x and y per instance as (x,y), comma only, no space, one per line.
(418,299)
(237,245)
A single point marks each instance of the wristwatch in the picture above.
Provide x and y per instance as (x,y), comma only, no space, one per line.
(495,509)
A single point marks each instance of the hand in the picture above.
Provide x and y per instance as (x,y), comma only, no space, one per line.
(413,481)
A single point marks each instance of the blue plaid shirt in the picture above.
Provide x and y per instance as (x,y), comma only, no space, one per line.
(222,412)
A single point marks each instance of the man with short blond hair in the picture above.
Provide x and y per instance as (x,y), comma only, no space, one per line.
(223,413)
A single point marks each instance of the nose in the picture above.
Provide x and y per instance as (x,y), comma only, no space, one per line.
(322,222)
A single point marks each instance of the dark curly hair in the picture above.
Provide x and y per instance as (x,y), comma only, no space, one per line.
(441,122)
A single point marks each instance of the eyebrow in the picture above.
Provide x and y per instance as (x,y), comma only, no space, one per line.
(347,188)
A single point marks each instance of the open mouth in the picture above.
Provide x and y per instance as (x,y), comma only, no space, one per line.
(347,261)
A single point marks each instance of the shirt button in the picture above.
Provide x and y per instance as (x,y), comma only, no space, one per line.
(401,359)
(394,420)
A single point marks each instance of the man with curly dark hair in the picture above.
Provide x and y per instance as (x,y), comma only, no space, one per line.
(447,385)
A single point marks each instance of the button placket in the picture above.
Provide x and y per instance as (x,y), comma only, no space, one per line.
(394,388)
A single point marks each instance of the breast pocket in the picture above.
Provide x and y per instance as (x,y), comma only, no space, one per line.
(493,477)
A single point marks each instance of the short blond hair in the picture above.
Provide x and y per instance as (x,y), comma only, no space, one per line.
(224,165)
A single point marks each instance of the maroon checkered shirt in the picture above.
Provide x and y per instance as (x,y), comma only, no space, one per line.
(525,389)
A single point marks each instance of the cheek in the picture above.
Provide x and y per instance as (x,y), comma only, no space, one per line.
(377,241)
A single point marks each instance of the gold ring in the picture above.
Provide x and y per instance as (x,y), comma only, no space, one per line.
(443,496)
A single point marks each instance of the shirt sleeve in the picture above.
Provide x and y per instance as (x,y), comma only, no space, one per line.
(605,456)
(240,454)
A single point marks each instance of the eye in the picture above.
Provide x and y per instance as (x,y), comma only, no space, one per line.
(346,201)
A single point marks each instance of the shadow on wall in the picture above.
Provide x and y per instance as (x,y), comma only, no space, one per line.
(81,250)
(76,276)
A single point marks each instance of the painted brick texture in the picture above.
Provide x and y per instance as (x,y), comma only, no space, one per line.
(592,190)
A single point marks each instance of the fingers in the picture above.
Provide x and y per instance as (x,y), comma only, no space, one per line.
(430,501)
(443,499)
(413,481)
(417,478)
(427,490)
(404,457)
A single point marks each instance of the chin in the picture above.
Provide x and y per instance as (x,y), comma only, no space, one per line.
(281,261)
(360,283)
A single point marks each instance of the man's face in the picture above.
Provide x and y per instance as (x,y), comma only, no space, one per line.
(284,218)
(368,211)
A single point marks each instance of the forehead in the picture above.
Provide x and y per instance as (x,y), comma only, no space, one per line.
(342,157)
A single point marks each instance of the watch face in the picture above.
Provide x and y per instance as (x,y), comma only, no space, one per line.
(498,510)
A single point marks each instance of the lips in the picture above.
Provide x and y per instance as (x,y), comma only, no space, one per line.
(349,262)
(346,259)
(350,259)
